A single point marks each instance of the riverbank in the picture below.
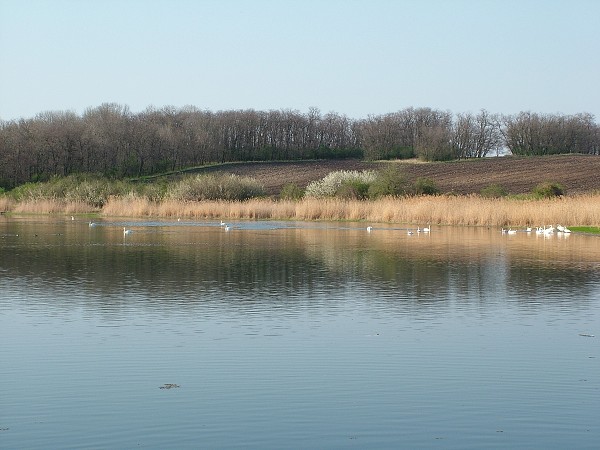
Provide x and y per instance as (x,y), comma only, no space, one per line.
(471,210)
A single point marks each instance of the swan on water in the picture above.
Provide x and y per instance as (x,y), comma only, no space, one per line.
(126,231)
(369,229)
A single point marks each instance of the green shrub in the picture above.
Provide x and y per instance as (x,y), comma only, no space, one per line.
(493,191)
(27,191)
(425,186)
(291,191)
(353,190)
(389,182)
(216,187)
(548,190)
(91,189)
(154,191)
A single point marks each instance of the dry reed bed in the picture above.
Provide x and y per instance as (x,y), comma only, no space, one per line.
(50,206)
(442,210)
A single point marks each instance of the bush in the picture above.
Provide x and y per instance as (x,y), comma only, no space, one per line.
(548,190)
(353,190)
(425,186)
(389,182)
(291,191)
(493,191)
(216,187)
(154,191)
(90,189)
(27,191)
(330,184)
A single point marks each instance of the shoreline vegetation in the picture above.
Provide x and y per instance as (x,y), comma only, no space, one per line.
(502,192)
(470,210)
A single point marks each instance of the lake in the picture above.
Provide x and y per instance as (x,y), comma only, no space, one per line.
(275,335)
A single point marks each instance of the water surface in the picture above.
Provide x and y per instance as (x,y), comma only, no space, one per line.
(295,335)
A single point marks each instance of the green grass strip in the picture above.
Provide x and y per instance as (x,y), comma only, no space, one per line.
(593,230)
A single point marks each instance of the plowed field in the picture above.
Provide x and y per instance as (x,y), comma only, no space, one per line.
(578,174)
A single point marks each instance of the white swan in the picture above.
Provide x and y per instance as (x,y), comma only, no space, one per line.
(511,231)
(223,224)
(126,231)
(227,227)
(92,224)
(369,229)
(426,229)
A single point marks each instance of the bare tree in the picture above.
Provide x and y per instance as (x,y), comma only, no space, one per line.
(434,144)
(111,140)
(476,136)
(535,134)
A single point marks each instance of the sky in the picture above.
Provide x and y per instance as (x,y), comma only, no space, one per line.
(354,57)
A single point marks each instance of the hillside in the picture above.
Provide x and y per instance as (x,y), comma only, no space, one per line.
(577,173)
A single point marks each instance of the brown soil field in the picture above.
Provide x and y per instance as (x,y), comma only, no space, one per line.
(578,174)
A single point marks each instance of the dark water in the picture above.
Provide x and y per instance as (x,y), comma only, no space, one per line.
(295,335)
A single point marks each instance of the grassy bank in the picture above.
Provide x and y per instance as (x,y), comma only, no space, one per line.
(472,210)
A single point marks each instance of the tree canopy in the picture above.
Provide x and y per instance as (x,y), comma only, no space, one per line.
(112,141)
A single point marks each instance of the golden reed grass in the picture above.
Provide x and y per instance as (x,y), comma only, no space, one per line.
(48,206)
(443,210)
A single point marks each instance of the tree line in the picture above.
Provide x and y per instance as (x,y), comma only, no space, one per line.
(113,141)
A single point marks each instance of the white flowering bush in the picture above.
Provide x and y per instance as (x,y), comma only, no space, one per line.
(330,184)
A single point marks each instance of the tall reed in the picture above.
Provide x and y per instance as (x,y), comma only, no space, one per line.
(51,206)
(6,203)
(444,210)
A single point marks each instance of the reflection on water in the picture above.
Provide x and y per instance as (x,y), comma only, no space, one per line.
(295,335)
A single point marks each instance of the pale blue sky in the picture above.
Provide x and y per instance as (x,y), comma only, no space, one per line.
(353,57)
